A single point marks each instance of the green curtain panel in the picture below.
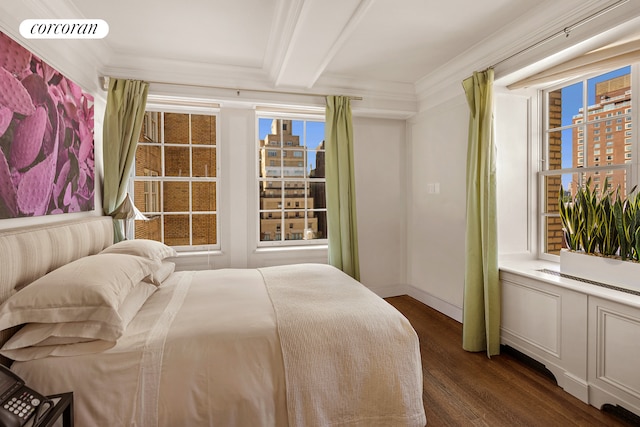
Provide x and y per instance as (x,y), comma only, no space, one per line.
(126,103)
(481,306)
(341,187)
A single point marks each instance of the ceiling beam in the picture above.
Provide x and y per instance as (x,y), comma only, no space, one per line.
(307,55)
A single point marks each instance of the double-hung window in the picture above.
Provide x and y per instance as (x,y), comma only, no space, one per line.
(582,144)
(175,179)
(291,181)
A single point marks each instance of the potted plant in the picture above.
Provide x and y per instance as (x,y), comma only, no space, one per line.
(602,236)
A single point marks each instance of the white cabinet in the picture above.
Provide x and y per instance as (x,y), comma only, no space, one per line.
(547,323)
(587,336)
(614,350)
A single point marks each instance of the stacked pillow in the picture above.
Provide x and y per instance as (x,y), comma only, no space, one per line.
(86,305)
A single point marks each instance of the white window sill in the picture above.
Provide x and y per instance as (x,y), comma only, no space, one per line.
(300,248)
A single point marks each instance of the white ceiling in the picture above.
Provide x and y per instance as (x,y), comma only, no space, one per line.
(390,48)
(294,43)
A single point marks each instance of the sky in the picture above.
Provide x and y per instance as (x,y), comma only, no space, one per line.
(314,136)
(571,104)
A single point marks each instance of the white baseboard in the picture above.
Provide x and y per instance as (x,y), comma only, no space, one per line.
(424,297)
(389,291)
(434,302)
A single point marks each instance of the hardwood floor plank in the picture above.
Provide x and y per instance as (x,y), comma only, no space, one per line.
(469,389)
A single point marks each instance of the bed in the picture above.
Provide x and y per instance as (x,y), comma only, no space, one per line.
(297,345)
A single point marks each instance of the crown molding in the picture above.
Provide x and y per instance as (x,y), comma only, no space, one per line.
(441,84)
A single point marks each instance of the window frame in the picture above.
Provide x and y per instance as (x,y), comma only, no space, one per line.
(632,168)
(280,240)
(191,108)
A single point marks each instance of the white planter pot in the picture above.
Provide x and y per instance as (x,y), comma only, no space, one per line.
(610,271)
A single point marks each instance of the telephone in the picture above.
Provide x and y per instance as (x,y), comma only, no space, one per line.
(19,403)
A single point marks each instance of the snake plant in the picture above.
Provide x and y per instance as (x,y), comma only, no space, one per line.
(572,222)
(605,224)
(627,218)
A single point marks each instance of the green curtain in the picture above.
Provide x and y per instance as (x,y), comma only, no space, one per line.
(126,103)
(481,307)
(341,187)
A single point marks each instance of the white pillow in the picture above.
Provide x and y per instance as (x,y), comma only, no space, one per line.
(37,340)
(43,334)
(90,288)
(145,248)
(160,275)
(77,349)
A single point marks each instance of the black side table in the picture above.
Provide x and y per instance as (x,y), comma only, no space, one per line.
(62,405)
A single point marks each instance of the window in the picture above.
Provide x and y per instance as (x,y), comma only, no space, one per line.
(295,213)
(175,180)
(572,110)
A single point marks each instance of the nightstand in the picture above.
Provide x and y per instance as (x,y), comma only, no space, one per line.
(62,405)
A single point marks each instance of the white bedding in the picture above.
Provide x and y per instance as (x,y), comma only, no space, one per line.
(205,350)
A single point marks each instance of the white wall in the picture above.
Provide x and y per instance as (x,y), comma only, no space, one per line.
(436,221)
(379,152)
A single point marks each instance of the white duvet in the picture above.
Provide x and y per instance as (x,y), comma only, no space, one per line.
(242,347)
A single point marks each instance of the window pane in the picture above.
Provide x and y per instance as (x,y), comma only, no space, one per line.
(150,229)
(176,230)
(601,180)
(204,196)
(203,129)
(150,131)
(316,225)
(565,106)
(269,133)
(148,158)
(561,150)
(292,131)
(552,191)
(176,161)
(270,162)
(270,194)
(317,195)
(147,196)
(294,195)
(294,228)
(315,135)
(176,196)
(270,227)
(204,162)
(609,92)
(554,237)
(204,229)
(609,101)
(176,128)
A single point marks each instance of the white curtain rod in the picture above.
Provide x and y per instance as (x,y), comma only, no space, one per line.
(565,31)
(105,86)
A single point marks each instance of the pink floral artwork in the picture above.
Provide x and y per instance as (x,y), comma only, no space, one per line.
(46,138)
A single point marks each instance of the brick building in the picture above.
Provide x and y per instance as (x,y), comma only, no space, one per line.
(608,141)
(283,159)
(183,203)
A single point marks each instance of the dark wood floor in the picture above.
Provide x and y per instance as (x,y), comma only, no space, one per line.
(469,389)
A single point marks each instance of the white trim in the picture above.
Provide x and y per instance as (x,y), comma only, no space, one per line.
(444,307)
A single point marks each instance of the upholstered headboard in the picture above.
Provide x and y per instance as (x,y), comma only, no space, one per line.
(27,253)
